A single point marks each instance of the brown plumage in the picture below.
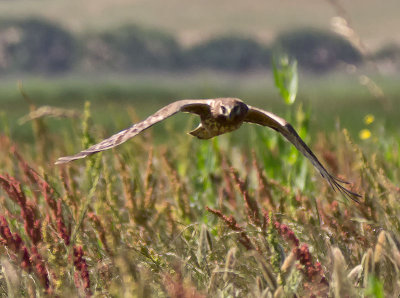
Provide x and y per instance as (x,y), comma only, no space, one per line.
(218,116)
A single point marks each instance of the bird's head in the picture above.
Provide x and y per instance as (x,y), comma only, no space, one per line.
(230,109)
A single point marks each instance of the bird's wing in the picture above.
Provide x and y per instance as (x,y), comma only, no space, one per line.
(265,118)
(195,106)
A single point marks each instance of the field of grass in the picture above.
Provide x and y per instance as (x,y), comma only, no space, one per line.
(119,100)
(241,215)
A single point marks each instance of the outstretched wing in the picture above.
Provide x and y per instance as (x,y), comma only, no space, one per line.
(196,106)
(265,118)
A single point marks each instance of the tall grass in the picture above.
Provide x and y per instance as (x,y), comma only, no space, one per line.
(193,218)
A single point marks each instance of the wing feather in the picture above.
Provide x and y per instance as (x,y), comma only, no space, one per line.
(196,106)
(265,118)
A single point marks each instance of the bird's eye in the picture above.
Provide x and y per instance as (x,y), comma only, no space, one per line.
(223,109)
(236,110)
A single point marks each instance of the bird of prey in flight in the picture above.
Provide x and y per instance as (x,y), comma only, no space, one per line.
(218,116)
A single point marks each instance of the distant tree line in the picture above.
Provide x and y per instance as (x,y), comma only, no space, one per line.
(38,46)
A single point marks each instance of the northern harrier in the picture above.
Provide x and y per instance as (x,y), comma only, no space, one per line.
(218,116)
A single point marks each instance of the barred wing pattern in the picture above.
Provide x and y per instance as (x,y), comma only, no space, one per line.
(265,118)
(196,106)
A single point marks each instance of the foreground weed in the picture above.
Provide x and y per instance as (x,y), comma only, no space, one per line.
(197,220)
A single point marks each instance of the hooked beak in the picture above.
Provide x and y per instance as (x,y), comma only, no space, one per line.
(228,114)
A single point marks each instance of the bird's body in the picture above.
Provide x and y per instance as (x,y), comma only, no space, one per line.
(218,116)
(221,118)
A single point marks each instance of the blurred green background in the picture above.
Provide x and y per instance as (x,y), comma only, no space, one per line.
(132,57)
